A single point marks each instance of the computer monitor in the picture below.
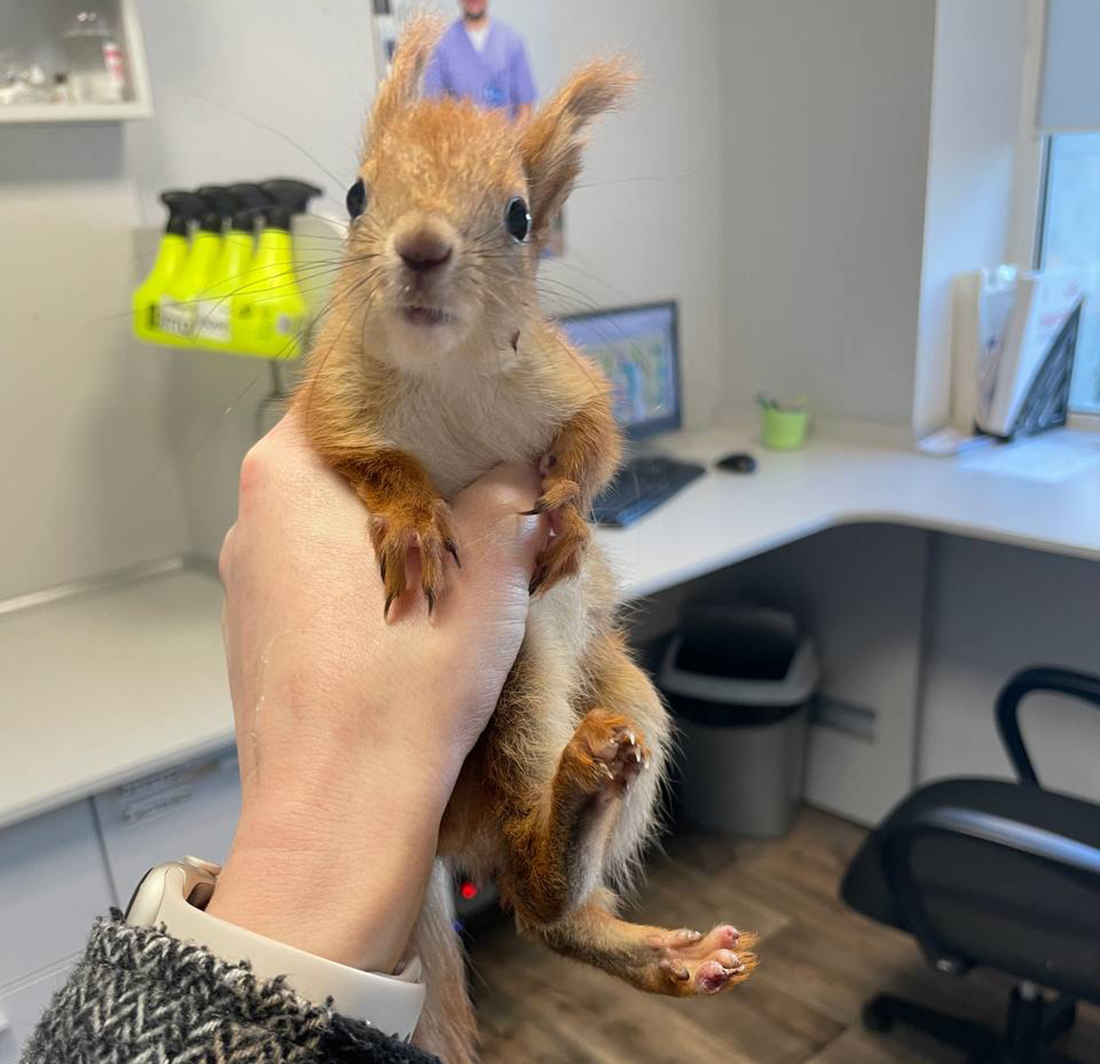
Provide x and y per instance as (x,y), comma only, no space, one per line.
(638,349)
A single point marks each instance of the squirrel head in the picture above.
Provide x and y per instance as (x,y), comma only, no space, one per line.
(452,207)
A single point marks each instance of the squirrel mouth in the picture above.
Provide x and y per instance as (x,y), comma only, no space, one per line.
(426,317)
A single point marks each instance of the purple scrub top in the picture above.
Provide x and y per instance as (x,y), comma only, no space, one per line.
(497,76)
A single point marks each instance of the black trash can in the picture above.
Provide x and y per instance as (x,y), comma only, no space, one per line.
(739,680)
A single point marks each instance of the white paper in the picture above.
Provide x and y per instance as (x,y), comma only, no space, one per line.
(1049,459)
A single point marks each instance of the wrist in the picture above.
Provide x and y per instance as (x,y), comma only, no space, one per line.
(341,877)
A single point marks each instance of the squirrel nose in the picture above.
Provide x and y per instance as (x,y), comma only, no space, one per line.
(425,251)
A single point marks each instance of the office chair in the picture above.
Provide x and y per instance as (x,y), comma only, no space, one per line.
(994,874)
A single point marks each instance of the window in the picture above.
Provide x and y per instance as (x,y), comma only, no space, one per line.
(1069,238)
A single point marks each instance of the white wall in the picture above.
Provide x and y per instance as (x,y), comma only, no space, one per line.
(110,441)
(643,225)
(976,94)
(994,610)
(293,103)
(83,411)
(825,130)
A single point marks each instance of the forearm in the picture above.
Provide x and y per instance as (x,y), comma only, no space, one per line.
(138,993)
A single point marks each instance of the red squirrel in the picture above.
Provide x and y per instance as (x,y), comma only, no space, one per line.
(435,365)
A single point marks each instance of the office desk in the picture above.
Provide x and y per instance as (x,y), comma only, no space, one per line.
(107,688)
(723,518)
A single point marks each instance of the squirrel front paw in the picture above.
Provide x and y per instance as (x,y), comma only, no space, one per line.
(426,528)
(561,499)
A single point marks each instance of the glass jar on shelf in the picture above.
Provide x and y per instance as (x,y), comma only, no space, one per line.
(97,71)
(22,82)
(62,91)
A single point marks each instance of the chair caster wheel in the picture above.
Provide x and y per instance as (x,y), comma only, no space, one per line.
(876,1018)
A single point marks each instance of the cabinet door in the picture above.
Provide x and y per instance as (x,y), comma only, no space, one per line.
(52,885)
(190,809)
(22,1006)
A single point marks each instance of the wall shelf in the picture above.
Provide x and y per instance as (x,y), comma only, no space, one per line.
(35,33)
(75,112)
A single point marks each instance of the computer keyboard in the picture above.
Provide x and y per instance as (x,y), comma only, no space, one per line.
(640,486)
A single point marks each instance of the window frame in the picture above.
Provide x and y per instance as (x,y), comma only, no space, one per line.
(1033,168)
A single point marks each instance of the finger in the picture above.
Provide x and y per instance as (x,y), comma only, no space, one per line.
(491,525)
(518,478)
(224,556)
(507,490)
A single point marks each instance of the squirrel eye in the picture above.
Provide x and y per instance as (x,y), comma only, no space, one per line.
(517,219)
(357,198)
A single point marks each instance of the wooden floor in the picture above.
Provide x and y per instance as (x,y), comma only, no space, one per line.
(819,963)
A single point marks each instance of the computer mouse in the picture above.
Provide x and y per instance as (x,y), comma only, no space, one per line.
(737,463)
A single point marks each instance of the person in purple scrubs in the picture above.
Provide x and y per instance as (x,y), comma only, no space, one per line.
(482,61)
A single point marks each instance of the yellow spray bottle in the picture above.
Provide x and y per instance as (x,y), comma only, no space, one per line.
(233,273)
(269,314)
(214,305)
(175,246)
(183,305)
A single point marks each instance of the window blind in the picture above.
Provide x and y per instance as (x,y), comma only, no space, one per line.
(1070,91)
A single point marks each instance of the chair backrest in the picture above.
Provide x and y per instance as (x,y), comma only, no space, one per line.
(1041,678)
(982,889)
(991,890)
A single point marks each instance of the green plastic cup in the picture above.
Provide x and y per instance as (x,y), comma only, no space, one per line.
(783,430)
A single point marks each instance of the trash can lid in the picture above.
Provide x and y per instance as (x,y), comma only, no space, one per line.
(740,655)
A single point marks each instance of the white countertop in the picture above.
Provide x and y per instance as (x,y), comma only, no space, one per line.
(724,518)
(102,688)
(106,687)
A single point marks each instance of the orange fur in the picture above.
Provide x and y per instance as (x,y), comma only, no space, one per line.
(422,379)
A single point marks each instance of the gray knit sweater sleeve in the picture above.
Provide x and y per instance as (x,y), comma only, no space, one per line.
(139,996)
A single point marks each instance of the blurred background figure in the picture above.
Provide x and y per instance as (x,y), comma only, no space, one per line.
(484,61)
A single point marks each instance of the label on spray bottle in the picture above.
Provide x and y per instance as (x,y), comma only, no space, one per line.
(176,319)
(288,325)
(214,320)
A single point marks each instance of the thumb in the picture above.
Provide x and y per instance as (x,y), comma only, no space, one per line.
(497,541)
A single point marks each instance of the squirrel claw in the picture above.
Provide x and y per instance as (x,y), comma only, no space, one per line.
(427,530)
(452,549)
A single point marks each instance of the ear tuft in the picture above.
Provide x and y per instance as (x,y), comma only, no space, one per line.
(551,144)
(599,86)
(415,49)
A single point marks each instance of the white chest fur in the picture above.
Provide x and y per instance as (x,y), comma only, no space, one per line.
(461,426)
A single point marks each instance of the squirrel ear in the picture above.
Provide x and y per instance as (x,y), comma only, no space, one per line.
(551,144)
(414,51)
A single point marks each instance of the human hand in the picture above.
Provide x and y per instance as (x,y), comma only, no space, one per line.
(351,731)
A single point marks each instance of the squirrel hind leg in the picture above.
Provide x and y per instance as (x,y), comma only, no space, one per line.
(676,963)
(559,837)
(584,824)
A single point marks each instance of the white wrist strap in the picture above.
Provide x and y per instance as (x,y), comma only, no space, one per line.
(390,1003)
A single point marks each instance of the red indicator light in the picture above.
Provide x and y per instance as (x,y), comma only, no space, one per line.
(468,890)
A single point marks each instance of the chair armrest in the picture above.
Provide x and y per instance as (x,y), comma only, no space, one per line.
(1061,681)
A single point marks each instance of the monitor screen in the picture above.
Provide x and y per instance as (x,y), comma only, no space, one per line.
(637,349)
